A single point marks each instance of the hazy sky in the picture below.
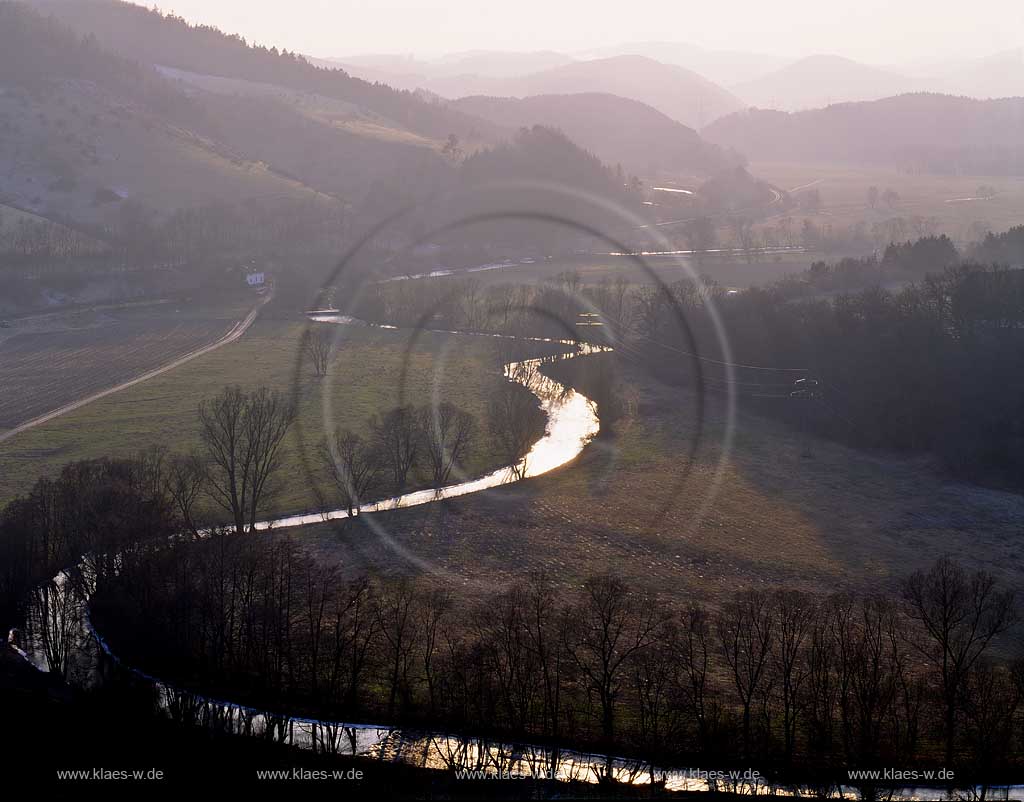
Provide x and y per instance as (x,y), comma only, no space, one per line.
(881,31)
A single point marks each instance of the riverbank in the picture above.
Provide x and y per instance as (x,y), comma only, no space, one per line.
(64,738)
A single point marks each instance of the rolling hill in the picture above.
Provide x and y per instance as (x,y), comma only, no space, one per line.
(91,137)
(995,76)
(618,130)
(83,131)
(921,132)
(486,63)
(820,80)
(724,67)
(676,92)
(151,37)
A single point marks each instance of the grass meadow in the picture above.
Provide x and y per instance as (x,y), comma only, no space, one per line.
(373,370)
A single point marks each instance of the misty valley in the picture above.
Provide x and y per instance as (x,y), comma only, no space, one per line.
(538,409)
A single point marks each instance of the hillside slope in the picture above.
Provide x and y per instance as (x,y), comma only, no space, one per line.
(83,131)
(995,76)
(724,67)
(676,92)
(618,130)
(921,132)
(152,37)
(819,80)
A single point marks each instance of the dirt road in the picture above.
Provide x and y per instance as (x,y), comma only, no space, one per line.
(231,336)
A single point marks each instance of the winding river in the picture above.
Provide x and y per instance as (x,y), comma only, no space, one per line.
(571,423)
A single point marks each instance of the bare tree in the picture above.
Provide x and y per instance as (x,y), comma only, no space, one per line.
(395,608)
(872,676)
(448,433)
(657,717)
(614,624)
(398,438)
(185,480)
(242,434)
(744,628)
(317,346)
(991,701)
(504,635)
(353,466)
(548,625)
(695,661)
(794,615)
(55,612)
(355,630)
(960,613)
(512,415)
(433,611)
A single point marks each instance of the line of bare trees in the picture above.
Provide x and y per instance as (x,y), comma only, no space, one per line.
(788,681)
(101,506)
(547,309)
(785,680)
(431,441)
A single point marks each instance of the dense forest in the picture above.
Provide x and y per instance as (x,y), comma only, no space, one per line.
(924,368)
(836,326)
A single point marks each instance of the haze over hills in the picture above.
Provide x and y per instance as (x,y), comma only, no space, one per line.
(725,67)
(153,38)
(450,75)
(920,132)
(819,80)
(486,63)
(84,131)
(718,78)
(88,134)
(678,93)
(995,76)
(618,130)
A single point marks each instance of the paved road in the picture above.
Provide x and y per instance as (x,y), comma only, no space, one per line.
(235,333)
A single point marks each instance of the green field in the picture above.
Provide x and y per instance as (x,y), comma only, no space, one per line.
(783,510)
(373,371)
(947,201)
(729,271)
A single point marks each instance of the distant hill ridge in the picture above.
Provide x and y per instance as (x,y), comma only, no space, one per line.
(678,93)
(151,37)
(819,80)
(620,131)
(920,131)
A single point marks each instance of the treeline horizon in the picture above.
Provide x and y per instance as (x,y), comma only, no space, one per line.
(799,685)
(923,368)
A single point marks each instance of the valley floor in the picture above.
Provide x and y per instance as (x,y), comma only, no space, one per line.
(787,510)
(374,370)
